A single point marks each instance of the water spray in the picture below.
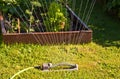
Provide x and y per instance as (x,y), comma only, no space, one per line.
(49,67)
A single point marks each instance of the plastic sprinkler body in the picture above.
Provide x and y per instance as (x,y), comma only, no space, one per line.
(46,66)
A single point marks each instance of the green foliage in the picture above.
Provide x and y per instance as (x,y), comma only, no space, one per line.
(5,6)
(22,9)
(25,10)
(14,25)
(57,18)
(114,6)
(34,4)
(113,3)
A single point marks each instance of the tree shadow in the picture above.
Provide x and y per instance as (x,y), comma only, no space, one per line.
(106,29)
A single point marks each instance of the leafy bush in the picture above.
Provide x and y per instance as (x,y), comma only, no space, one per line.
(56,18)
(22,9)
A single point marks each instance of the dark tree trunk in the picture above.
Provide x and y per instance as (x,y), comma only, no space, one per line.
(2,23)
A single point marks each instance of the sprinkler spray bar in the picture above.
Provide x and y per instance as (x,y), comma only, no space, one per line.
(48,66)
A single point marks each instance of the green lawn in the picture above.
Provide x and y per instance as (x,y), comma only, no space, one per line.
(94,61)
(99,59)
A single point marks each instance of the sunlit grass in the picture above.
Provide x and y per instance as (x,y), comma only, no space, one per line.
(94,61)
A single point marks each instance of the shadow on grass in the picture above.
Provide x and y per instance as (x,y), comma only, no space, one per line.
(106,29)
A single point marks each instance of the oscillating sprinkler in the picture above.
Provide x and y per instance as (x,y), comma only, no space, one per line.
(50,67)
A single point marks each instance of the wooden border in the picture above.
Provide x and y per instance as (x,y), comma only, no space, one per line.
(43,38)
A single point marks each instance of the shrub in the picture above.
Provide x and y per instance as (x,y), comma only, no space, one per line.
(56,18)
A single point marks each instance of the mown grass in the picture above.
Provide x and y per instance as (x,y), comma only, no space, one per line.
(94,61)
(97,60)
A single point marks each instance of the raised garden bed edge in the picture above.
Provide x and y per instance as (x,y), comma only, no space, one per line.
(43,38)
